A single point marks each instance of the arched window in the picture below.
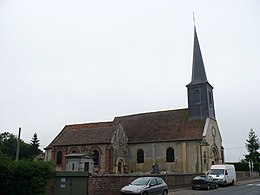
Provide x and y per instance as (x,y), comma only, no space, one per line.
(73,150)
(59,158)
(140,156)
(119,167)
(96,157)
(170,155)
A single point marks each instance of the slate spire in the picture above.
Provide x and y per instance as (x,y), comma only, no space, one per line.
(200,92)
(198,69)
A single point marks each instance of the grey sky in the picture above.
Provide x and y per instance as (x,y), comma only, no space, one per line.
(65,62)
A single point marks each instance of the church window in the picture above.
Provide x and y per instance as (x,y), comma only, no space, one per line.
(170,155)
(210,98)
(96,157)
(140,156)
(59,158)
(197,96)
(119,167)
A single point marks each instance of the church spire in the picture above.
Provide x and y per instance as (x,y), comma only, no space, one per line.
(200,92)
(198,69)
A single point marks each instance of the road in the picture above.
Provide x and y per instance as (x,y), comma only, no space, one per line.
(251,188)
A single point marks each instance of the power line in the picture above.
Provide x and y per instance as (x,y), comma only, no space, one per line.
(235,148)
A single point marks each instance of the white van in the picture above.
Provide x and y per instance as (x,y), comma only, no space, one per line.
(223,174)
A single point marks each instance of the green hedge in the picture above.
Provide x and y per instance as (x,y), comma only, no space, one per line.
(242,166)
(24,177)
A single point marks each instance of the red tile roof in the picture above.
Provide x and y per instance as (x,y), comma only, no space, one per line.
(171,125)
(83,134)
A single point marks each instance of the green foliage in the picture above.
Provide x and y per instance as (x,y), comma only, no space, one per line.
(252,145)
(35,143)
(24,177)
(5,174)
(243,166)
(8,144)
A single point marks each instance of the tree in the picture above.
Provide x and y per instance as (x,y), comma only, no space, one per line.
(8,145)
(252,145)
(35,143)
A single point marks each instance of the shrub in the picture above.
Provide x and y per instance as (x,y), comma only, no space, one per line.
(243,166)
(24,177)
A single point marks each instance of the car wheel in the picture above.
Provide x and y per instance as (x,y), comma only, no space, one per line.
(145,193)
(164,192)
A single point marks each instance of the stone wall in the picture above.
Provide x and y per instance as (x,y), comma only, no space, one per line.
(244,175)
(111,184)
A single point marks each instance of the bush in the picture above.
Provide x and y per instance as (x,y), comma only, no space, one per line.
(24,177)
(243,166)
(5,174)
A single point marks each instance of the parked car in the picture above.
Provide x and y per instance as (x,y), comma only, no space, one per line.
(203,182)
(146,186)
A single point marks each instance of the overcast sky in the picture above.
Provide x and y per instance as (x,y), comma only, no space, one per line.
(68,62)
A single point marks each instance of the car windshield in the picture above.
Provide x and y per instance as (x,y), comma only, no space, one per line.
(216,172)
(141,181)
(201,177)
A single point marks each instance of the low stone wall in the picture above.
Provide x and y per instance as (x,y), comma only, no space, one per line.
(244,175)
(111,184)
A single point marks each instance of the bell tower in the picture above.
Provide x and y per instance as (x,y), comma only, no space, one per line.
(200,92)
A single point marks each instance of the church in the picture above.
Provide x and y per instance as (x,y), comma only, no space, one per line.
(174,141)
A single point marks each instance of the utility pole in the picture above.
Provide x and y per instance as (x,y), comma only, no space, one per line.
(18,145)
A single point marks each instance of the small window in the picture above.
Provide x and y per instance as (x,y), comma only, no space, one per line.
(170,155)
(96,157)
(140,156)
(197,96)
(86,167)
(73,166)
(119,167)
(59,158)
(210,98)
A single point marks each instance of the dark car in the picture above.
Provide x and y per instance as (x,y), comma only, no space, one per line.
(146,186)
(203,182)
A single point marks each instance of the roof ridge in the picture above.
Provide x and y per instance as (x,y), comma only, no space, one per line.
(89,123)
(147,113)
